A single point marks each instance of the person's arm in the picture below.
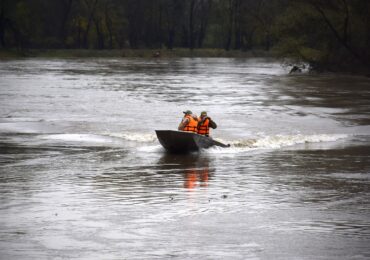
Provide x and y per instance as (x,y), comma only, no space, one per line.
(212,123)
(183,123)
(200,122)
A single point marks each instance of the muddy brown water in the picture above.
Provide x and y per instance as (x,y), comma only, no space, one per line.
(83,176)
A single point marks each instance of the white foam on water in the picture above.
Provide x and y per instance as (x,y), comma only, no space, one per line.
(135,137)
(274,142)
(150,149)
(279,141)
(237,146)
(102,138)
(88,138)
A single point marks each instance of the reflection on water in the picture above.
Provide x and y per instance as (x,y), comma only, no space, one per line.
(195,168)
(195,177)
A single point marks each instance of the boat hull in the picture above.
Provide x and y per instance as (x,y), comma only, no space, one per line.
(183,142)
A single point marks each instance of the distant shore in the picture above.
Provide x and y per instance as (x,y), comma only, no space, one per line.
(132,53)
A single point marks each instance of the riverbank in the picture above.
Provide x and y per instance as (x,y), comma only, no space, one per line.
(139,53)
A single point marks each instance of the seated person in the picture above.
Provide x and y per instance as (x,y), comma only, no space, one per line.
(205,122)
(189,123)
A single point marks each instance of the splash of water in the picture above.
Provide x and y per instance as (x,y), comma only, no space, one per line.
(86,138)
(135,137)
(263,142)
(275,142)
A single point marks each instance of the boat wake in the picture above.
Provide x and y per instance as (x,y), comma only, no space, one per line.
(275,142)
(240,145)
(81,138)
(101,138)
(149,142)
(134,137)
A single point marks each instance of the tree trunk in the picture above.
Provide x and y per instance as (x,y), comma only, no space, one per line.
(85,41)
(205,7)
(79,34)
(191,25)
(237,23)
(160,31)
(230,25)
(345,22)
(99,34)
(2,26)
(108,23)
(67,6)
(170,12)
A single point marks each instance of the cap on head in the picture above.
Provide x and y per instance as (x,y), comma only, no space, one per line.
(204,113)
(187,112)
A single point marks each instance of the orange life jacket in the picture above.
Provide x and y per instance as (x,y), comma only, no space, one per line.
(204,128)
(192,126)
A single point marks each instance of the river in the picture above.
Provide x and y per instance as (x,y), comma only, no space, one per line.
(83,176)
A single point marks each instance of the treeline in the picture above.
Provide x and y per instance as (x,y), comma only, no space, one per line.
(318,31)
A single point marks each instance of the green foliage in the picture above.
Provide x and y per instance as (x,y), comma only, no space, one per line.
(330,33)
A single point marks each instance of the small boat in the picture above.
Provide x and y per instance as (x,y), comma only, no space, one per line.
(183,142)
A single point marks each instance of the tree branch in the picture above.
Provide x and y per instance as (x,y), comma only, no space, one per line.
(340,39)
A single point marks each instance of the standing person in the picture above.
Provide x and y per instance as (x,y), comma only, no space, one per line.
(189,123)
(205,122)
